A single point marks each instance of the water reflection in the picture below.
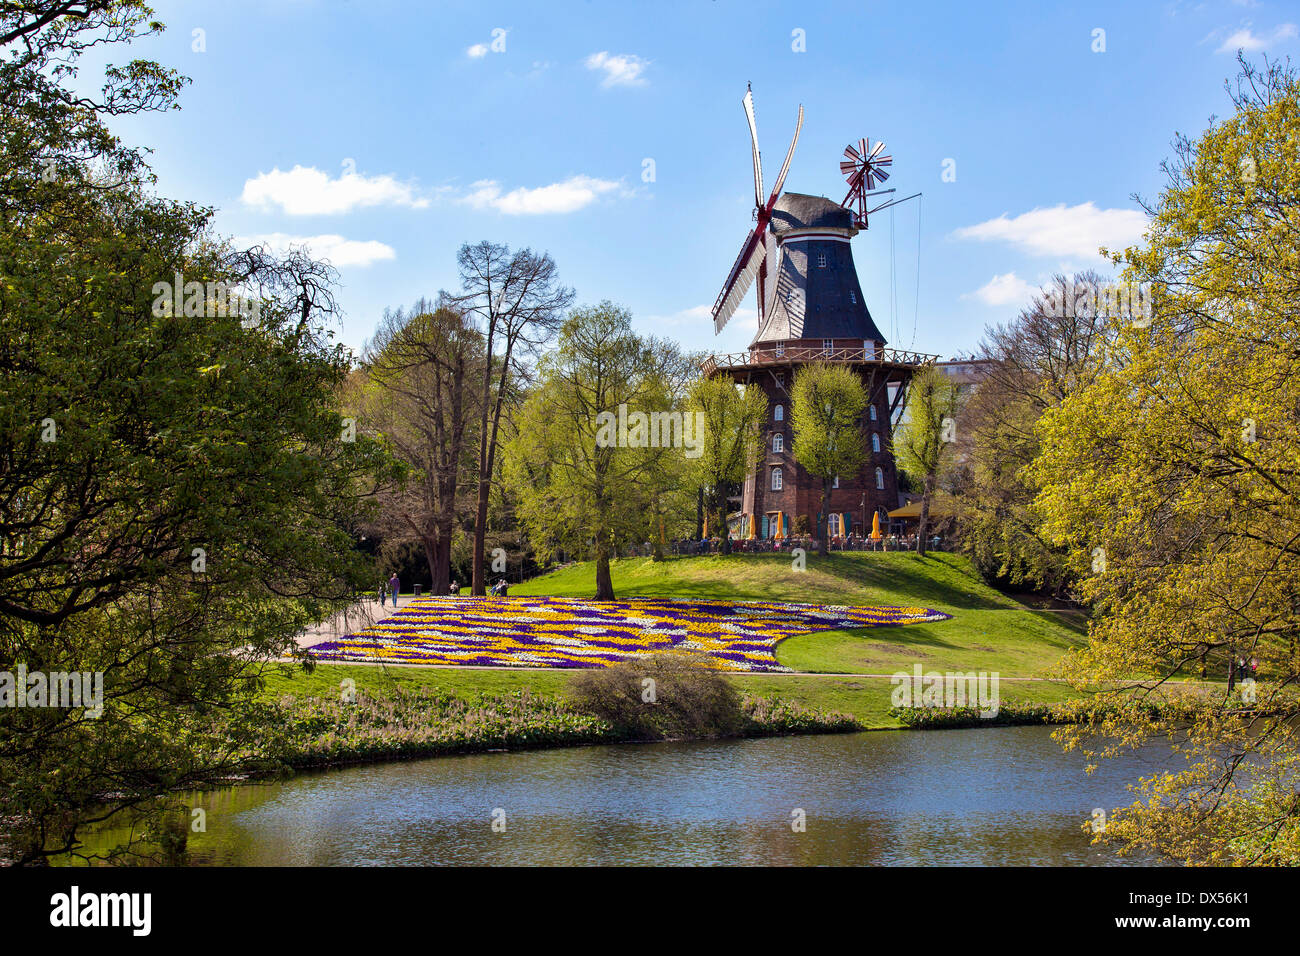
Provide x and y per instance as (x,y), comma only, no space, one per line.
(993,797)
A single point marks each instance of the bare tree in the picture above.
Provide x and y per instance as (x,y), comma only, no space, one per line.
(519,303)
(416,386)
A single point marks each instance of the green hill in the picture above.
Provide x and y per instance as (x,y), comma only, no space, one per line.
(988,630)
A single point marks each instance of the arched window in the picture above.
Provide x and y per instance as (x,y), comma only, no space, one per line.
(875,442)
(778,443)
(880,480)
(776,479)
(873,413)
(779,414)
(836,482)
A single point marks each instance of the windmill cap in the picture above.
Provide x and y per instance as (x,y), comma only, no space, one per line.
(799,211)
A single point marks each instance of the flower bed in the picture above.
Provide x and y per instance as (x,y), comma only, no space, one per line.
(571,632)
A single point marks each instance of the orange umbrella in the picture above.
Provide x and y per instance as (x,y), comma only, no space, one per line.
(875,526)
(780,531)
(753,527)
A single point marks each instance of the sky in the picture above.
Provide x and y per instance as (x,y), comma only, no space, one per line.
(384,135)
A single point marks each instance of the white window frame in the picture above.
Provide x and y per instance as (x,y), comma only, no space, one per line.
(827,346)
(778,413)
(875,442)
(821,260)
(778,443)
(778,479)
(880,479)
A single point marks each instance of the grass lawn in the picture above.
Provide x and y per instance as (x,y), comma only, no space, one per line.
(989,631)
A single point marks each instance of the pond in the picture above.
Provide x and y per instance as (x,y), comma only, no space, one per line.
(996,796)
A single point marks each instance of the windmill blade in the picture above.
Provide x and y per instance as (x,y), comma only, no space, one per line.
(753,137)
(880,144)
(773,263)
(739,280)
(785,167)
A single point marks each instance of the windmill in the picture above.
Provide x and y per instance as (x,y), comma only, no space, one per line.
(759,244)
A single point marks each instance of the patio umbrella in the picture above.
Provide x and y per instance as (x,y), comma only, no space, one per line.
(875,526)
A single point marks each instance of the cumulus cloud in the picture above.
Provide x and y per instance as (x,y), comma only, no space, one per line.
(1005,289)
(337,250)
(1251,42)
(625,69)
(568,196)
(307,191)
(477,50)
(1062,230)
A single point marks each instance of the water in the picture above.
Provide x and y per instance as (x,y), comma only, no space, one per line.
(989,796)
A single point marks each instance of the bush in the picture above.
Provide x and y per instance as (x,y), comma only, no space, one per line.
(663,695)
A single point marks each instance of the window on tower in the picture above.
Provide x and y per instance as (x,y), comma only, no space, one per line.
(836,482)
(826,346)
(880,480)
(875,440)
(778,443)
(873,413)
(853,297)
(776,478)
(821,260)
(780,349)
(779,414)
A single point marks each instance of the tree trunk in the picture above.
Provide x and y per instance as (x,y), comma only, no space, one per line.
(699,513)
(724,532)
(924,522)
(604,583)
(823,520)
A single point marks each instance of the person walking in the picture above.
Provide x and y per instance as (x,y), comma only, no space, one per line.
(394,585)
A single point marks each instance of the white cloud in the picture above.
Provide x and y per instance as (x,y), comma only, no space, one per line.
(340,252)
(625,69)
(308,191)
(477,51)
(568,196)
(1062,230)
(1245,39)
(1006,289)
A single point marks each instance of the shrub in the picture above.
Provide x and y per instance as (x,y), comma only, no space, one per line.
(663,695)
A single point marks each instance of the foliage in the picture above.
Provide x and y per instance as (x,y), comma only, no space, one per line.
(176,495)
(1171,479)
(826,406)
(1031,364)
(923,445)
(732,418)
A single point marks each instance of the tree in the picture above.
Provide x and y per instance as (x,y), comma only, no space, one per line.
(826,406)
(519,303)
(923,445)
(732,417)
(1171,479)
(589,457)
(177,489)
(1029,365)
(416,388)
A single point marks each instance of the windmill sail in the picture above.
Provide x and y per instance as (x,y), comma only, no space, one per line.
(739,280)
(753,139)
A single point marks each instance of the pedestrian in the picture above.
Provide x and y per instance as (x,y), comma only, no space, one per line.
(503,589)
(394,585)
(455,588)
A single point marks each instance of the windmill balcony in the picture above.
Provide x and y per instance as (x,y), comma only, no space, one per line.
(769,354)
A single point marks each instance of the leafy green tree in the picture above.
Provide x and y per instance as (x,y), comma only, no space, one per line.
(924,444)
(732,417)
(584,480)
(826,406)
(1171,479)
(177,486)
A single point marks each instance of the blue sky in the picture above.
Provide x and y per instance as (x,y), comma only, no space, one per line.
(386,134)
